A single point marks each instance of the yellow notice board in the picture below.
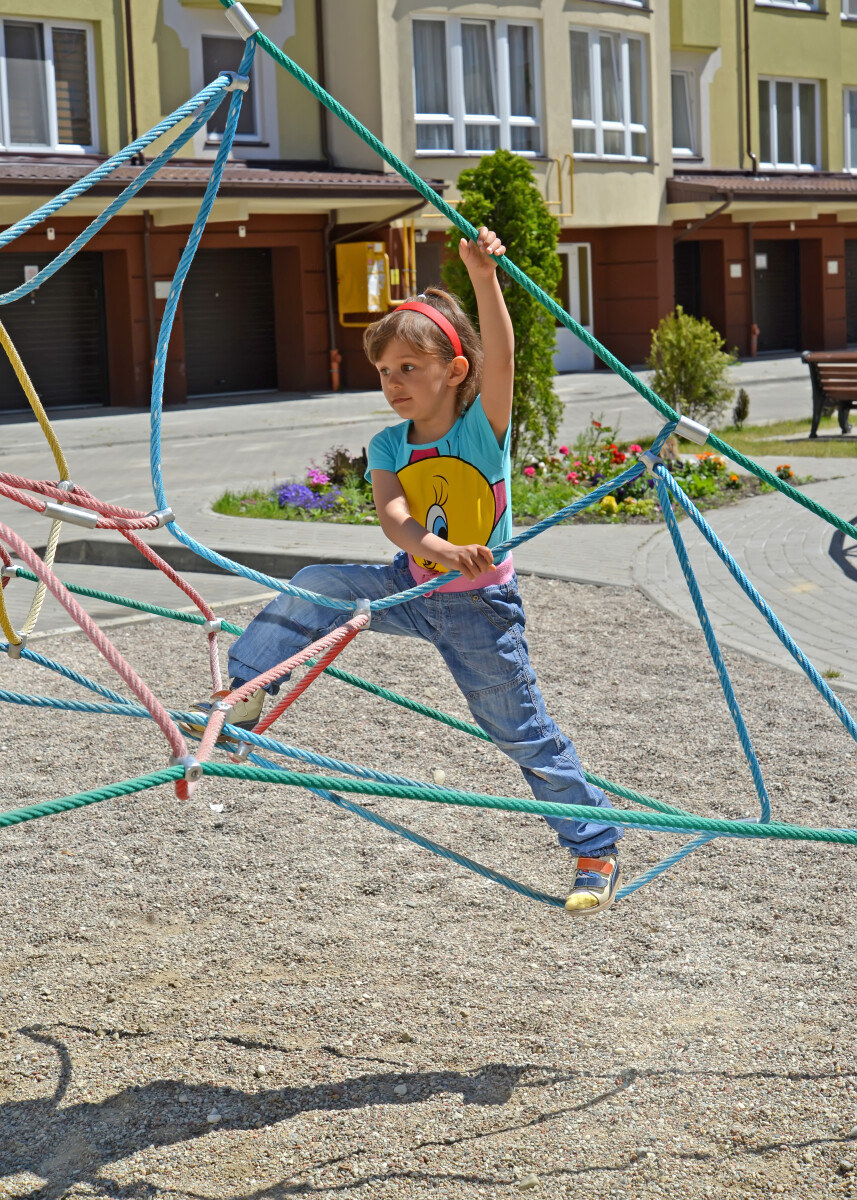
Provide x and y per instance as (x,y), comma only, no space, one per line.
(362,281)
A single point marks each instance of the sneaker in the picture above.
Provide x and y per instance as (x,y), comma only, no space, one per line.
(245,714)
(595,884)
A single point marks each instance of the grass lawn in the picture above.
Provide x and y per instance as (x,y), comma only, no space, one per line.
(755,440)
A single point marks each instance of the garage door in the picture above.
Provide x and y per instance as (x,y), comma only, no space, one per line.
(228,306)
(58,331)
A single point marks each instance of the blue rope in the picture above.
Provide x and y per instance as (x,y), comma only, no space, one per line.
(761,604)
(188,109)
(31,656)
(121,200)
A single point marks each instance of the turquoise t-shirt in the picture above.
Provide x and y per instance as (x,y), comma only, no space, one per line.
(458,486)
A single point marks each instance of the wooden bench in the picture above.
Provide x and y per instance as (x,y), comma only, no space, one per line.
(834,384)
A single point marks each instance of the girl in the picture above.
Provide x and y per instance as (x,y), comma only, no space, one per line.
(441,480)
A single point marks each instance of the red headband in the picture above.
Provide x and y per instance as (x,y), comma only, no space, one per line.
(439,319)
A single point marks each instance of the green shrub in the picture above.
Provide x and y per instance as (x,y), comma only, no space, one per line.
(690,365)
(500,192)
(741,411)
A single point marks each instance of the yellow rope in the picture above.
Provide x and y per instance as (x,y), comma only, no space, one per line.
(35,403)
(64,474)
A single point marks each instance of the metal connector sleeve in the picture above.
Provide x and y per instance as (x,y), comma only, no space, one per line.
(241,753)
(238,83)
(192,768)
(241,21)
(71,514)
(65,485)
(221,706)
(364,606)
(650,461)
(14,650)
(214,626)
(692,431)
(164,515)
(9,572)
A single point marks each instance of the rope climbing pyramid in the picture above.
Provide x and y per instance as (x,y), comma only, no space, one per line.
(67,502)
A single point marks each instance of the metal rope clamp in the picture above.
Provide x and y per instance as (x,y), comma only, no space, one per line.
(10,572)
(163,515)
(650,460)
(72,514)
(364,606)
(237,83)
(241,752)
(692,431)
(241,21)
(15,648)
(192,767)
(214,626)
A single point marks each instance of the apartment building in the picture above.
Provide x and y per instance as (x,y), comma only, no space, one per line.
(79,79)
(701,152)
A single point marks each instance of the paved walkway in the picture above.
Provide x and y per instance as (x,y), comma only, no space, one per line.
(804,568)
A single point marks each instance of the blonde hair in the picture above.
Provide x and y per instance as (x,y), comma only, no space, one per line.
(422,335)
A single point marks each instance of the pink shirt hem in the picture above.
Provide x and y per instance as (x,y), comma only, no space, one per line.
(501,574)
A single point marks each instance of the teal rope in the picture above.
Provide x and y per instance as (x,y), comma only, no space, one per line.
(641,820)
(556,311)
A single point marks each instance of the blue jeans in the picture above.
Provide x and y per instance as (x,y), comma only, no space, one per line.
(480,636)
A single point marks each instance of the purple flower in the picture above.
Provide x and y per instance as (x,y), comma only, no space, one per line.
(298,495)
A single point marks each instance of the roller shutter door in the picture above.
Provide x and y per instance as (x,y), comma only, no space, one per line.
(58,331)
(228,306)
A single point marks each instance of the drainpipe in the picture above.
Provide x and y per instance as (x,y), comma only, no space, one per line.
(749,149)
(320,77)
(754,328)
(704,220)
(138,158)
(329,243)
(150,292)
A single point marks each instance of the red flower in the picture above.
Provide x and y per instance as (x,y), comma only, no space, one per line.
(596,424)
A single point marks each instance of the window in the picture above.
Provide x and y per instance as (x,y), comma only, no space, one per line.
(789,134)
(806,5)
(849,9)
(685,140)
(46,86)
(851,129)
(608,95)
(224,54)
(475,86)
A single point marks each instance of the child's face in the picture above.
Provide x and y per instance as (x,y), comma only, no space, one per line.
(417,385)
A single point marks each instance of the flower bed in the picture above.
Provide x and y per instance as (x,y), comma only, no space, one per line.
(339,493)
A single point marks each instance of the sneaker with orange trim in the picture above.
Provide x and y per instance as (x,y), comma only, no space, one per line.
(244,715)
(595,884)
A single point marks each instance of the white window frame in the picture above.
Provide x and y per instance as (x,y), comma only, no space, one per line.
(849,10)
(190,25)
(798,5)
(772,81)
(643,4)
(457,118)
(597,122)
(55,147)
(846,125)
(692,84)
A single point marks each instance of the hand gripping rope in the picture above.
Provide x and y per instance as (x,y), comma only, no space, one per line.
(65,501)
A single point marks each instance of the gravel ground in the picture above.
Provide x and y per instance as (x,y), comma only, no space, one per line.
(282,1000)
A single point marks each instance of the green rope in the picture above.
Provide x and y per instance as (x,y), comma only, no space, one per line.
(556,311)
(401,791)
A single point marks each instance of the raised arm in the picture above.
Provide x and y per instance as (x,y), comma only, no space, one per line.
(495,328)
(409,535)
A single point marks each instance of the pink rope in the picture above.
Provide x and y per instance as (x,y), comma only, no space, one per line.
(343,634)
(301,686)
(191,592)
(111,516)
(159,714)
(6,560)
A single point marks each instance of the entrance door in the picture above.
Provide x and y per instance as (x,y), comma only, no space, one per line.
(575,296)
(851,291)
(687,278)
(777,280)
(228,308)
(58,330)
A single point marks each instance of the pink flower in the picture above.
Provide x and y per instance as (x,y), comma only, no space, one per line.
(529,471)
(572,477)
(635,449)
(563,449)
(578,463)
(592,457)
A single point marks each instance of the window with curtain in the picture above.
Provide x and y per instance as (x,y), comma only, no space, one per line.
(46,86)
(224,54)
(608,94)
(475,86)
(789,134)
